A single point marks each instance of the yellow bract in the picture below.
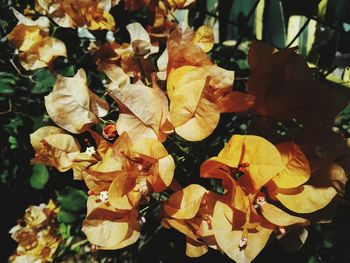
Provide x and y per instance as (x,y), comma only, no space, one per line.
(261,157)
(54,147)
(190,212)
(37,49)
(144,111)
(306,199)
(185,204)
(197,97)
(296,171)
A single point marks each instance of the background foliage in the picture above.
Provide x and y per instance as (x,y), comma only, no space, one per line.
(321,29)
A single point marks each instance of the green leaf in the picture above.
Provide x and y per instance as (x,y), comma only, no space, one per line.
(64,230)
(7,80)
(13,124)
(68,71)
(72,200)
(312,259)
(13,142)
(274,31)
(6,88)
(39,177)
(65,216)
(44,81)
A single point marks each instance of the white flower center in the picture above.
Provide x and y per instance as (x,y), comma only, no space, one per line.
(143,188)
(260,201)
(104,196)
(243,242)
(90,151)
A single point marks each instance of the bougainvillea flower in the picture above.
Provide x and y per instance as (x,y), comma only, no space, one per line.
(36,48)
(54,147)
(190,212)
(285,89)
(147,168)
(255,174)
(82,13)
(109,228)
(98,167)
(72,106)
(36,236)
(240,244)
(187,43)
(143,111)
(197,97)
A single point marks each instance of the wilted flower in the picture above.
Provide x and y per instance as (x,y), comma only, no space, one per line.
(36,235)
(82,13)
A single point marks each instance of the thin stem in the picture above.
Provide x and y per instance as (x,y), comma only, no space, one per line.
(9,110)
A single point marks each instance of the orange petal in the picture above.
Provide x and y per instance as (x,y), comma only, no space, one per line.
(234,101)
(263,158)
(185,204)
(297,169)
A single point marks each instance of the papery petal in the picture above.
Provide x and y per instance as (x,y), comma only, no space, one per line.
(166,168)
(121,194)
(150,147)
(280,218)
(41,133)
(306,198)
(228,239)
(185,204)
(69,103)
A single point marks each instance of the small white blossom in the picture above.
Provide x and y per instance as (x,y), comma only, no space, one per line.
(104,196)
(243,242)
(90,151)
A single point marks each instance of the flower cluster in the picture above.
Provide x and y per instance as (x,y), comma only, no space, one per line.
(36,234)
(164,83)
